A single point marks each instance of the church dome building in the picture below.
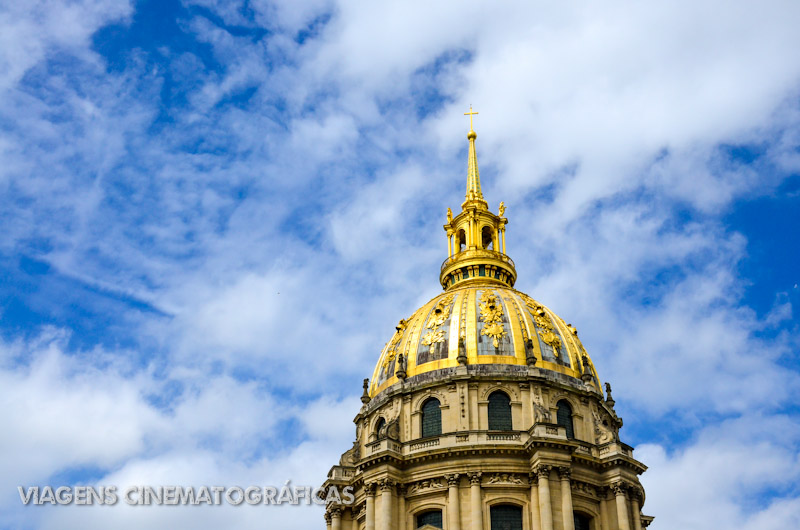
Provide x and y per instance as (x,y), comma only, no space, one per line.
(485,411)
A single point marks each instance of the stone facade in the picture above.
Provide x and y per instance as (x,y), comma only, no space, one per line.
(467,469)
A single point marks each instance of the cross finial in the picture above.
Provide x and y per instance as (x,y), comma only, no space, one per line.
(470,114)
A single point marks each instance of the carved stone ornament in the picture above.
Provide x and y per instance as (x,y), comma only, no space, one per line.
(504,478)
(475,478)
(619,488)
(543,472)
(453,480)
(351,456)
(564,473)
(602,430)
(425,485)
(369,489)
(392,430)
(540,412)
(365,396)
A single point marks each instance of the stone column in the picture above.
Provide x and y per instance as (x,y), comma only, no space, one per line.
(566,498)
(476,506)
(370,491)
(504,240)
(328,519)
(622,506)
(386,504)
(604,509)
(637,509)
(336,519)
(453,508)
(545,509)
(536,520)
(401,510)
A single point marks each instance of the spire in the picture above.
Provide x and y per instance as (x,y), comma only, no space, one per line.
(474,192)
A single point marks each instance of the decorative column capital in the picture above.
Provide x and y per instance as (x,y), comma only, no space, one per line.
(475,478)
(386,484)
(401,489)
(543,471)
(636,494)
(369,489)
(453,480)
(336,512)
(619,488)
(564,472)
(533,478)
(327,518)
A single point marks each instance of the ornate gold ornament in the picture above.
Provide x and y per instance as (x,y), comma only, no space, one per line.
(492,317)
(391,350)
(432,338)
(545,325)
(440,313)
(437,318)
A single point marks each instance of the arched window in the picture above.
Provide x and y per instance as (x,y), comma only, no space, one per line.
(581,521)
(486,238)
(499,411)
(564,417)
(431,517)
(431,418)
(506,517)
(461,240)
(379,426)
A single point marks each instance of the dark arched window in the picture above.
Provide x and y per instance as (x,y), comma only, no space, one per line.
(461,241)
(431,418)
(486,238)
(379,426)
(432,517)
(581,521)
(499,412)
(506,517)
(564,417)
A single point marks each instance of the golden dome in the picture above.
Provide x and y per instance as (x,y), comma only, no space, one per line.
(480,320)
(482,324)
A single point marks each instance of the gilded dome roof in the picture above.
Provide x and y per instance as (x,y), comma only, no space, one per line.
(480,319)
(484,324)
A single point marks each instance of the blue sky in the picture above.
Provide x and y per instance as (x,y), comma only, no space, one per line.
(213,213)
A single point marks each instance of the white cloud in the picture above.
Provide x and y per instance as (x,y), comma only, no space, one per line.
(31,30)
(724,478)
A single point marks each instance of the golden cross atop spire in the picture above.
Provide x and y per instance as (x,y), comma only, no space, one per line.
(470,114)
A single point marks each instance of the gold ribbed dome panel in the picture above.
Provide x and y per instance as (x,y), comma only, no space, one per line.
(493,323)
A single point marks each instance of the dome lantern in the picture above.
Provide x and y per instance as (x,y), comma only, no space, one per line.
(476,238)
